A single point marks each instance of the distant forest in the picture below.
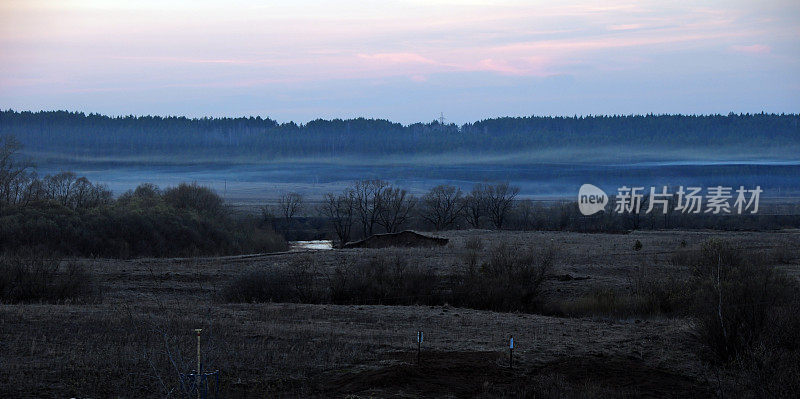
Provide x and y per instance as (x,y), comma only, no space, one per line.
(74,136)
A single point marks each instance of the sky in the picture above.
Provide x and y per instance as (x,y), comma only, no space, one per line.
(406,61)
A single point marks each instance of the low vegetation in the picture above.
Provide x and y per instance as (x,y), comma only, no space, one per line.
(33,280)
(744,311)
(187,220)
(509,280)
(69,215)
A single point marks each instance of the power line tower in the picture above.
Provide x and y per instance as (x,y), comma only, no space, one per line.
(441,118)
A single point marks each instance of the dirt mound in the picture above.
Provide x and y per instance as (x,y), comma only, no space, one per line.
(402,239)
(486,374)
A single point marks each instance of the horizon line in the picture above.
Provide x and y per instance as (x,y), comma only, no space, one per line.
(434,120)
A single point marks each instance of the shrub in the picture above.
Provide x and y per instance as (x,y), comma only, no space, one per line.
(735,298)
(506,282)
(202,200)
(510,280)
(387,280)
(138,224)
(41,280)
(746,314)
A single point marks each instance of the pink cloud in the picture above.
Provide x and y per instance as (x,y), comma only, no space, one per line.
(521,67)
(753,49)
(625,27)
(397,58)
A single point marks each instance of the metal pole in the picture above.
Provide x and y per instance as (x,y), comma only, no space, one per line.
(197,330)
(419,345)
(511,353)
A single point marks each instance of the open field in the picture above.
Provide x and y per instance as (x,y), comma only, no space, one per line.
(136,341)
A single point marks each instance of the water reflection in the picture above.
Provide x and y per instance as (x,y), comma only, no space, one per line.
(310,245)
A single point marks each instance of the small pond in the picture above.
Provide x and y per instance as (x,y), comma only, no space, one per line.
(310,245)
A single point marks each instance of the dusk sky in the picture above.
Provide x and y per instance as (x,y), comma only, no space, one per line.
(401,60)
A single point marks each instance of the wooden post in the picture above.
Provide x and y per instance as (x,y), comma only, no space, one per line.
(198,378)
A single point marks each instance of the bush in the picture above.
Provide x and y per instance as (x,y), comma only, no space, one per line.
(141,223)
(510,280)
(386,280)
(202,200)
(746,314)
(736,298)
(40,280)
(506,282)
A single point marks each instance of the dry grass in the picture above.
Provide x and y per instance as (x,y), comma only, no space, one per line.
(134,342)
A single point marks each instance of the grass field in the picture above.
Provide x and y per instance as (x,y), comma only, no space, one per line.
(137,338)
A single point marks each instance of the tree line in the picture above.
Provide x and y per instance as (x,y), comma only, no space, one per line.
(367,207)
(76,136)
(64,214)
(373,206)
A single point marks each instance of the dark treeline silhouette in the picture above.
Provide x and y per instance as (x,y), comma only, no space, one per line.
(91,137)
(367,207)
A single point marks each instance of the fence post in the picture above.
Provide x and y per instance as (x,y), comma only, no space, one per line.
(198,377)
(511,353)
(419,345)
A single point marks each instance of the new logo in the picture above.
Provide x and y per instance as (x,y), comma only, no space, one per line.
(591,199)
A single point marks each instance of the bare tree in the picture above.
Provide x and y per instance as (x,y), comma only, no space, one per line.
(475,206)
(442,206)
(12,168)
(60,186)
(499,200)
(526,213)
(86,195)
(369,202)
(396,206)
(33,190)
(290,204)
(340,210)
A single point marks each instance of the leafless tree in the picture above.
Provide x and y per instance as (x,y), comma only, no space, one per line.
(442,206)
(499,200)
(290,204)
(32,190)
(340,210)
(87,195)
(526,213)
(396,207)
(475,206)
(369,202)
(60,187)
(12,168)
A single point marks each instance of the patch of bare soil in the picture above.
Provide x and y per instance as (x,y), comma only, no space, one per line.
(486,374)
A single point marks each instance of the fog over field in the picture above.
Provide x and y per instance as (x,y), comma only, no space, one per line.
(254,159)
